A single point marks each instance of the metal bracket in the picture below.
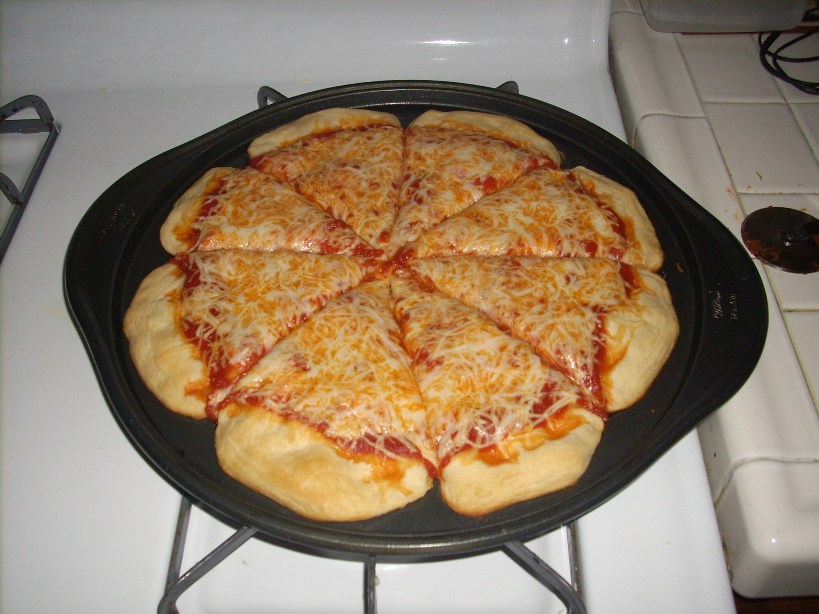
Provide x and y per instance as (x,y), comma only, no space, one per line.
(267,95)
(17,197)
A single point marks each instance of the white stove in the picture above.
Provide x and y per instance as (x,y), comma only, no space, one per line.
(86,524)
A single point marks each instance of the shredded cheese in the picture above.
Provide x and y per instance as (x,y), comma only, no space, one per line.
(543,213)
(238,304)
(557,305)
(353,174)
(447,170)
(480,385)
(253,211)
(344,372)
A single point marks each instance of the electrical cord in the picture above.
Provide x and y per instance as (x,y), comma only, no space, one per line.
(772,57)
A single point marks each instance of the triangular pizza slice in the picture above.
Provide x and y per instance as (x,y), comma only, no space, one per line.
(348,161)
(241,208)
(549,212)
(452,159)
(506,427)
(221,311)
(330,422)
(608,326)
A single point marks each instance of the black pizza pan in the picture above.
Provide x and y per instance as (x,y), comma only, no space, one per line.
(719,298)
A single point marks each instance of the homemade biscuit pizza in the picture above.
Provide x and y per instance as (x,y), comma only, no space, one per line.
(365,309)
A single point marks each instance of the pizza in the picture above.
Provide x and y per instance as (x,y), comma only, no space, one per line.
(549,213)
(230,208)
(347,161)
(366,310)
(225,309)
(452,160)
(341,376)
(515,429)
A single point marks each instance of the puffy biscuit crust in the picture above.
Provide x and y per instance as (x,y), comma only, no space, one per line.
(298,468)
(167,362)
(473,487)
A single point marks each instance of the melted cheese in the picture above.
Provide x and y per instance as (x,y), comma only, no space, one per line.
(344,372)
(428,356)
(543,213)
(238,304)
(557,305)
(353,174)
(246,209)
(447,170)
(481,386)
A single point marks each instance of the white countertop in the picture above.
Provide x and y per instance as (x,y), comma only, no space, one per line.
(706,113)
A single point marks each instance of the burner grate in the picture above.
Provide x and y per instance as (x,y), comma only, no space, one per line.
(178,582)
(45,124)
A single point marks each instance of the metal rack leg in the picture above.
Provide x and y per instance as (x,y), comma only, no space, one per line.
(369,586)
(574,556)
(547,576)
(176,584)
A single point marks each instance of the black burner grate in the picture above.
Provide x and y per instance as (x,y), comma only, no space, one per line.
(45,123)
(178,581)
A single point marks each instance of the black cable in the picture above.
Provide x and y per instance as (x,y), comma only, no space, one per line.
(772,59)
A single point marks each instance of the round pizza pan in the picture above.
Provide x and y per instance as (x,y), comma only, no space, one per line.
(716,290)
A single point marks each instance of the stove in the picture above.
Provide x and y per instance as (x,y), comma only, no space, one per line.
(81,512)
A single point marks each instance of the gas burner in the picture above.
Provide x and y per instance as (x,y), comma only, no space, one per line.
(787,239)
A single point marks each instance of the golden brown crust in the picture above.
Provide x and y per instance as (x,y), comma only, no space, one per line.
(166,361)
(295,466)
(497,126)
(473,487)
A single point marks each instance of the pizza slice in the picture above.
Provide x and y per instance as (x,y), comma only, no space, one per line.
(199,323)
(606,325)
(453,159)
(549,212)
(506,427)
(241,208)
(348,161)
(330,422)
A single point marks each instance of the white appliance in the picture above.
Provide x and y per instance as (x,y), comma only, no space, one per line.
(86,524)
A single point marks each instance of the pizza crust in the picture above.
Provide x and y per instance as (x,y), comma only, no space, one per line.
(644,247)
(292,464)
(167,362)
(639,339)
(473,487)
(497,126)
(316,123)
(186,210)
